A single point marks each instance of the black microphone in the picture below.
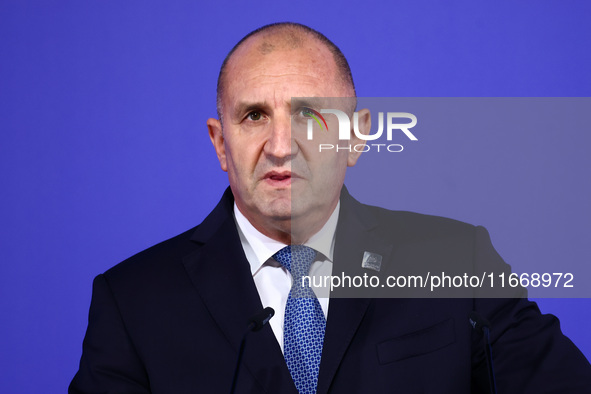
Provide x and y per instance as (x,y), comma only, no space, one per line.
(479,323)
(259,320)
(255,323)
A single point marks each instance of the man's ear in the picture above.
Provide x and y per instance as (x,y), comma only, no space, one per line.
(217,139)
(364,117)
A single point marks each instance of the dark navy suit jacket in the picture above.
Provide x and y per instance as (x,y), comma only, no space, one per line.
(170,319)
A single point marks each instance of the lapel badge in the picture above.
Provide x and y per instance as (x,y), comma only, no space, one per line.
(372,261)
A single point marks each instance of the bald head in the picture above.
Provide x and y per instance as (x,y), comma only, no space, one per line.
(281,37)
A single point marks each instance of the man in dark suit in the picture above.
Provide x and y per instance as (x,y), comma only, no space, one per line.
(171,318)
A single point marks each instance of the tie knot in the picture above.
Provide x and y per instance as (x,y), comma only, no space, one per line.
(296,258)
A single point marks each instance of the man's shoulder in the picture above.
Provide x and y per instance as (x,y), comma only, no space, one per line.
(415,218)
(167,256)
(155,260)
(412,225)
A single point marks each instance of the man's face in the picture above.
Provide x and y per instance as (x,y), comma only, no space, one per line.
(279,178)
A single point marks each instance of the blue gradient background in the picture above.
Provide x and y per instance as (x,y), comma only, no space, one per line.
(104,149)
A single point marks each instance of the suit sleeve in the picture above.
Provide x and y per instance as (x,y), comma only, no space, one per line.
(109,363)
(531,355)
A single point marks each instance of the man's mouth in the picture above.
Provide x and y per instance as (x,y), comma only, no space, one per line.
(276,178)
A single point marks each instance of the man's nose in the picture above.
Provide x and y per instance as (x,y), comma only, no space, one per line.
(280,143)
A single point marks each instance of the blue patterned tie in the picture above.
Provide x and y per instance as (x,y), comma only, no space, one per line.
(304,322)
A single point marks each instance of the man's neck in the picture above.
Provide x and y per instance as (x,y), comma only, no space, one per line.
(292,231)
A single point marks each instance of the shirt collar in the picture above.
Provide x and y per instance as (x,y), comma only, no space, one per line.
(264,247)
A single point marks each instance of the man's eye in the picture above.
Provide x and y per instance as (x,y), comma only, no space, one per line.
(254,115)
(306,112)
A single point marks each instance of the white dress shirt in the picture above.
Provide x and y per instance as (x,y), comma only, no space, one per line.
(271,279)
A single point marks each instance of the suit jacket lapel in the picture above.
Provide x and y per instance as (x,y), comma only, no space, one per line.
(354,236)
(221,274)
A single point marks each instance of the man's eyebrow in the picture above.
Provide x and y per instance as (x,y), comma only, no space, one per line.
(312,102)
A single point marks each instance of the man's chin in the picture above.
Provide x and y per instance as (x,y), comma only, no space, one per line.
(286,206)
(278,210)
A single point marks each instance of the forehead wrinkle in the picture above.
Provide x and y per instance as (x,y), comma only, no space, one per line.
(304,80)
